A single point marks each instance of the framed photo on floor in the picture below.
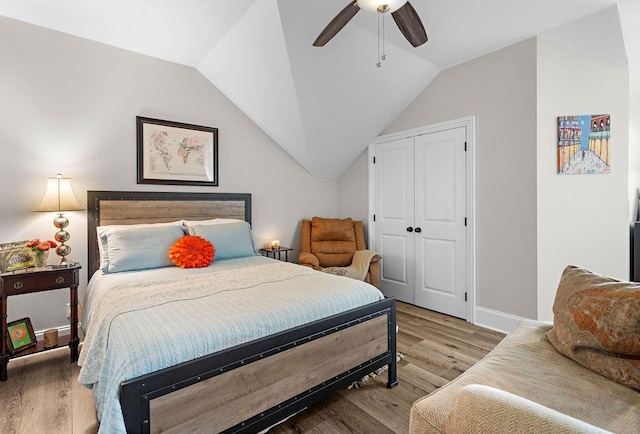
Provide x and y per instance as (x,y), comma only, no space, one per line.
(175,153)
(20,335)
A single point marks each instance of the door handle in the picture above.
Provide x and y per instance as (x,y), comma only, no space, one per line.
(418,230)
(409,229)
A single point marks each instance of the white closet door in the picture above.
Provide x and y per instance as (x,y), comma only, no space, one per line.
(394,213)
(440,211)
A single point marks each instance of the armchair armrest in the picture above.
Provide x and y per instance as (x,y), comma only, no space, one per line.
(309,259)
(478,408)
(374,271)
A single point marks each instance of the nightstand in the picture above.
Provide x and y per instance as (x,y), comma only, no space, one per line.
(270,252)
(31,280)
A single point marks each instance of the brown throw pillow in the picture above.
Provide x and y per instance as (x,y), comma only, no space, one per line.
(597,323)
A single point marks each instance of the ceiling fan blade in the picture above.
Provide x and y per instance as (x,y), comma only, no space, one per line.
(337,24)
(410,25)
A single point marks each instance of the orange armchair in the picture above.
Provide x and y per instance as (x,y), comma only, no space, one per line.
(328,243)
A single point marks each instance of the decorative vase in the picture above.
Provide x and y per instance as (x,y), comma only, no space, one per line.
(41,258)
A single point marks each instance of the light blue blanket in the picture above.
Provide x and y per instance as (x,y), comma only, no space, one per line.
(140,322)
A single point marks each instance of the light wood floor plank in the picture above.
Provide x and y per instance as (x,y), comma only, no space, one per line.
(12,404)
(385,410)
(348,417)
(42,394)
(84,417)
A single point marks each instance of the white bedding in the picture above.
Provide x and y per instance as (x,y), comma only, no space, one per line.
(129,317)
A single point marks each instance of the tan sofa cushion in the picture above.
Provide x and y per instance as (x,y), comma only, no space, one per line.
(484,409)
(597,323)
(527,365)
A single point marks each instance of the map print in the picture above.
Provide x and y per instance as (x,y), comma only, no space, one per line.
(173,152)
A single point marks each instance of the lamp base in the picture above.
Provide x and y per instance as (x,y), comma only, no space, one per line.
(62,236)
(64,262)
(63,251)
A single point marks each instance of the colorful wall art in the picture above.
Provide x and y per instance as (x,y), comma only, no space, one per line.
(583,144)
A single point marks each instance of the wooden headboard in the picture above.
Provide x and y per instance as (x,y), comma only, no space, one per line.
(133,207)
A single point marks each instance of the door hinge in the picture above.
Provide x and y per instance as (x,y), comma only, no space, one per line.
(465,146)
(465,296)
(465,221)
(374,160)
(374,217)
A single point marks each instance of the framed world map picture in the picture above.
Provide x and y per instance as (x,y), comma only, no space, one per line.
(176,153)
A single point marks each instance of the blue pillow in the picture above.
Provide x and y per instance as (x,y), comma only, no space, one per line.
(231,240)
(127,249)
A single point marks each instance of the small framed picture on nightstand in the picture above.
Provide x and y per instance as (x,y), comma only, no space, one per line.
(14,256)
(20,335)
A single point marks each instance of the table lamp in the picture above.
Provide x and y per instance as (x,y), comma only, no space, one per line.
(59,197)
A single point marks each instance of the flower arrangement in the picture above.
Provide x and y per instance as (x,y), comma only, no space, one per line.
(41,246)
(40,250)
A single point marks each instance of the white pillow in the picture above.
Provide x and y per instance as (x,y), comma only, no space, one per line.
(137,247)
(191,223)
(229,240)
(104,230)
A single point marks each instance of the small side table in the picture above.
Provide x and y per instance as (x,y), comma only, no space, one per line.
(31,280)
(270,252)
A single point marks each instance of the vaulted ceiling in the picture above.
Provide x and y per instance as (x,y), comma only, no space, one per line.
(325,105)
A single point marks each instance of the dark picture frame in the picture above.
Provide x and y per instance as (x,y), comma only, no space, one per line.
(174,153)
(20,335)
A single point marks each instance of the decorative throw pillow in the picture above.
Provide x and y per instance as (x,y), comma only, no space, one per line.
(192,252)
(597,323)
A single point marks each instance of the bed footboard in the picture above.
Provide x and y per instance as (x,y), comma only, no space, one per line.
(255,385)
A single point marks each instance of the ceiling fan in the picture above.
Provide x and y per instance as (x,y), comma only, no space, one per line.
(402,12)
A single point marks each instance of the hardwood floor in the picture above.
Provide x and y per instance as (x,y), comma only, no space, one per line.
(42,394)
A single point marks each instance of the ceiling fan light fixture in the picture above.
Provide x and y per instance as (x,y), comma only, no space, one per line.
(381,6)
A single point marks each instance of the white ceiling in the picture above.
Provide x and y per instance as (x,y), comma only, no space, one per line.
(325,105)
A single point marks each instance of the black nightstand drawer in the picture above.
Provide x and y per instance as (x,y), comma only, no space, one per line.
(33,282)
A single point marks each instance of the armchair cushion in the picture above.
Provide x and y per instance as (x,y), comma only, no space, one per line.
(333,241)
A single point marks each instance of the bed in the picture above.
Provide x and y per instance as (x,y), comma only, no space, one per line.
(202,382)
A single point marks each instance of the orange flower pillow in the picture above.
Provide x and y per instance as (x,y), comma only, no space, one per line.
(192,252)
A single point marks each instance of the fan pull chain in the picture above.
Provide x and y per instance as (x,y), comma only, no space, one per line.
(382,56)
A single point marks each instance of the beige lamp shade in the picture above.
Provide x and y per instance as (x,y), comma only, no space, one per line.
(59,196)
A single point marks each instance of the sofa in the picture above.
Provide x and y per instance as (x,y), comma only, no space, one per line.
(527,385)
(338,246)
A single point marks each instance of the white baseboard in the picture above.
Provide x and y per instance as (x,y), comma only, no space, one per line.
(495,320)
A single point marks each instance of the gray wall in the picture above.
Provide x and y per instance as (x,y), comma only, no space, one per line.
(500,90)
(582,219)
(69,105)
(634,147)
(353,191)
